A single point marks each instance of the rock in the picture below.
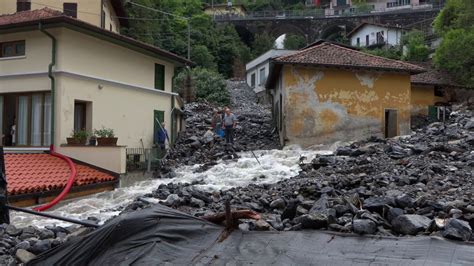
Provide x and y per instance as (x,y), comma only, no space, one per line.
(470,208)
(197,203)
(404,201)
(410,224)
(278,204)
(457,229)
(24,256)
(23,245)
(312,221)
(244,227)
(364,226)
(261,225)
(290,211)
(392,213)
(173,200)
(13,231)
(40,246)
(300,210)
(7,260)
(377,204)
(45,233)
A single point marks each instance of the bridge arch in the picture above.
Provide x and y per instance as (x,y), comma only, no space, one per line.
(336,31)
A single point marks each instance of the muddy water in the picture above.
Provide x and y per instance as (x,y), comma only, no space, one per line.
(272,166)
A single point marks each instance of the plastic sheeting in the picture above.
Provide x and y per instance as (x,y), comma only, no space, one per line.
(161,235)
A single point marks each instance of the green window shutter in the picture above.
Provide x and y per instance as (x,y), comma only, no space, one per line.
(160,116)
(159,77)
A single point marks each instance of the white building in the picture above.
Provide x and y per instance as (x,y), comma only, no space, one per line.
(257,70)
(340,7)
(375,35)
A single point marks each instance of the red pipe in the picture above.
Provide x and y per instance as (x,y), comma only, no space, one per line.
(69,184)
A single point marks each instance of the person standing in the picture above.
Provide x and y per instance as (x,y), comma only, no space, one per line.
(161,137)
(228,124)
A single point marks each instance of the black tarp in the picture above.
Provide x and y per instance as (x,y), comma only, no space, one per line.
(160,235)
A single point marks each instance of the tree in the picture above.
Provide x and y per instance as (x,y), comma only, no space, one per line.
(456,55)
(202,57)
(207,85)
(294,42)
(262,43)
(391,52)
(416,49)
(455,24)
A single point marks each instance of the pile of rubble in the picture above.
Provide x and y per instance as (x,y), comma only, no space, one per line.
(254,131)
(411,185)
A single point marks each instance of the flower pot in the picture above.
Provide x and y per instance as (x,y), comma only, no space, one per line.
(76,142)
(92,142)
(107,141)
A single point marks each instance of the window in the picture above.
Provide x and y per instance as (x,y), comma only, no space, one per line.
(438,91)
(358,41)
(252,80)
(398,3)
(79,116)
(11,49)
(262,76)
(159,77)
(23,5)
(70,9)
(367,40)
(110,27)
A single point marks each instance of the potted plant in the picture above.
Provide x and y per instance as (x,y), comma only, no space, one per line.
(105,137)
(93,140)
(78,138)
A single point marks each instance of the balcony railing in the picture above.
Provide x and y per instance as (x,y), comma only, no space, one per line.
(145,159)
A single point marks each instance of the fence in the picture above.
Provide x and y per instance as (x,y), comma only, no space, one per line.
(144,159)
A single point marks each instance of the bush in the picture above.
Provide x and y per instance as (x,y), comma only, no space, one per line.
(391,52)
(207,85)
(416,49)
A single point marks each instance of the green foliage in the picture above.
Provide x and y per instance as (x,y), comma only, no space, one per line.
(391,52)
(207,85)
(294,42)
(416,49)
(104,133)
(202,57)
(80,135)
(262,43)
(455,24)
(456,55)
(361,6)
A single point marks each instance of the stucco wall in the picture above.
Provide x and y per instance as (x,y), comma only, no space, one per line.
(421,98)
(36,60)
(327,105)
(87,10)
(109,158)
(91,56)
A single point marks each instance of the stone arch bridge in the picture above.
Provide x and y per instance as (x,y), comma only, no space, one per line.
(313,28)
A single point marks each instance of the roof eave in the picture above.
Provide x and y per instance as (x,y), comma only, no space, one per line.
(410,71)
(126,41)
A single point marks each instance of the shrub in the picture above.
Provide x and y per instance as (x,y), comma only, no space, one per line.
(104,133)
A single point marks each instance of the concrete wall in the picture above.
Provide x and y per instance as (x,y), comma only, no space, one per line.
(109,158)
(423,96)
(391,36)
(259,86)
(326,105)
(87,10)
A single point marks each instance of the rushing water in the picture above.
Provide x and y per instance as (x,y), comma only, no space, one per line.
(272,166)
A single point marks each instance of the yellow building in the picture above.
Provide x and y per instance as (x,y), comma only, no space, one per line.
(429,89)
(329,92)
(107,14)
(59,74)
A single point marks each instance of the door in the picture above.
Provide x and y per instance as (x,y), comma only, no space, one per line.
(391,117)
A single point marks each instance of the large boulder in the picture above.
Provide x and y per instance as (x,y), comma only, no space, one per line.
(364,226)
(457,229)
(410,224)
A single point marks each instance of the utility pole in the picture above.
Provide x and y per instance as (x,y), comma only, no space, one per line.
(169,14)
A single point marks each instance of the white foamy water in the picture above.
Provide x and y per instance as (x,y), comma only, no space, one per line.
(275,165)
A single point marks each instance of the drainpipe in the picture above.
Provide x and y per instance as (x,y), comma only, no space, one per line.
(172,120)
(53,80)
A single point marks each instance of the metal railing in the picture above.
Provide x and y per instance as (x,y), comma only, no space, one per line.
(144,159)
(321,13)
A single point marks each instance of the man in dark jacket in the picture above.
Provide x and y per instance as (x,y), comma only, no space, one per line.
(161,136)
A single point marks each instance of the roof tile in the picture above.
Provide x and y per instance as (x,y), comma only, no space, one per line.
(334,55)
(29,173)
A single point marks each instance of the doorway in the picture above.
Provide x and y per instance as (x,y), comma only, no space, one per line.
(391,118)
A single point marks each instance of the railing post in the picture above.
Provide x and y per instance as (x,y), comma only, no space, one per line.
(148,152)
(4,213)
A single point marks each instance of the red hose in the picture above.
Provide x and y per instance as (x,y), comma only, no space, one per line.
(69,184)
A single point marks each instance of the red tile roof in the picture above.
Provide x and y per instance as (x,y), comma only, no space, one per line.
(29,173)
(433,76)
(332,55)
(29,15)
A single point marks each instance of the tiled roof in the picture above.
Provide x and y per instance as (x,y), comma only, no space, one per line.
(29,173)
(29,15)
(332,55)
(433,77)
(50,16)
